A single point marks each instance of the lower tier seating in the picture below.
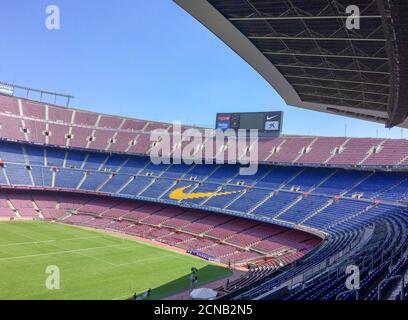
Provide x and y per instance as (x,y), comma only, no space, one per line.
(170,225)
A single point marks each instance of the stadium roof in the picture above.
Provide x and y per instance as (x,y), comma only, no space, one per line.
(304,50)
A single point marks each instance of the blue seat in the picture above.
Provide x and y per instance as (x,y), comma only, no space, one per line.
(94,180)
(75,159)
(35,155)
(18,175)
(11,152)
(42,176)
(276,204)
(136,186)
(115,183)
(68,178)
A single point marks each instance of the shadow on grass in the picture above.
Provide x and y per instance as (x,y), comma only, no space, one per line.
(205,275)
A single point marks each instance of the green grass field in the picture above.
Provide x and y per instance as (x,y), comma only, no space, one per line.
(92,265)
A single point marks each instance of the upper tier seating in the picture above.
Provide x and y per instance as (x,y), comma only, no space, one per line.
(354,151)
(54,125)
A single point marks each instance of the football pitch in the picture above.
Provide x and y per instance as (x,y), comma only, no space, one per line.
(91,265)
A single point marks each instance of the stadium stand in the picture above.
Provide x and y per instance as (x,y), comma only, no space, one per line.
(88,130)
(351,192)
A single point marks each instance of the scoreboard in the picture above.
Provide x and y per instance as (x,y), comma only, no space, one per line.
(267,123)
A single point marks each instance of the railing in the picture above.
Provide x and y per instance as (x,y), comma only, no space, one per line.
(39,94)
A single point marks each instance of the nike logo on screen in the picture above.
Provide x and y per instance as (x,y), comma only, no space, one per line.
(179,194)
(270,117)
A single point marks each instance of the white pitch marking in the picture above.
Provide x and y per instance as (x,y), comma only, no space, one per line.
(58,252)
(46,241)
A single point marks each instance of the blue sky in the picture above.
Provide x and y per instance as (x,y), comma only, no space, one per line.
(145,59)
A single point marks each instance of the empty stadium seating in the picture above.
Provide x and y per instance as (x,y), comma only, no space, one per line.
(184,229)
(83,129)
(288,195)
(92,170)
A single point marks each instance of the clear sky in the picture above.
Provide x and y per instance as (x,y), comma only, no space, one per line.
(145,59)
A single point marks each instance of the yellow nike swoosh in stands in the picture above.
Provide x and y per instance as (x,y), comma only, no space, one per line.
(179,194)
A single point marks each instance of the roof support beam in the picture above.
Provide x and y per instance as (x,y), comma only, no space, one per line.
(346,99)
(340,89)
(322,55)
(300,18)
(331,69)
(356,114)
(314,38)
(338,80)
